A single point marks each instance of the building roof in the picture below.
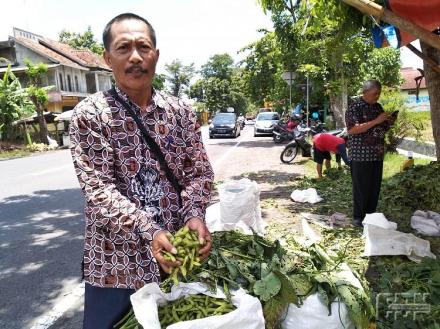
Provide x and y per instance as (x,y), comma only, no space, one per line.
(84,57)
(61,53)
(409,75)
(46,52)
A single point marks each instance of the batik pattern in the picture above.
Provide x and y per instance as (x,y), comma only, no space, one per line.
(128,197)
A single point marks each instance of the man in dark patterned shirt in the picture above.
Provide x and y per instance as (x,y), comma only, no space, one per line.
(366,124)
(130,203)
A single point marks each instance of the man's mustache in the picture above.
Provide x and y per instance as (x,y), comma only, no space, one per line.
(133,68)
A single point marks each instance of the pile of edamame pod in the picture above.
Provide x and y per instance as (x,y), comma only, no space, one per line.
(183,309)
(191,308)
(187,244)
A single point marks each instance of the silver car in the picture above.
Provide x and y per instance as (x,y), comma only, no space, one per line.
(264,123)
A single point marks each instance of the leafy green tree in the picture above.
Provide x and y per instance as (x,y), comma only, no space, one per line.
(322,33)
(14,102)
(262,71)
(38,95)
(159,81)
(84,40)
(221,85)
(334,39)
(383,64)
(179,76)
(218,66)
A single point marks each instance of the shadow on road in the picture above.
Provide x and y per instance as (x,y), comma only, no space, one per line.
(273,183)
(41,243)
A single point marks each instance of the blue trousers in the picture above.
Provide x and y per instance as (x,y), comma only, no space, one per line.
(104,307)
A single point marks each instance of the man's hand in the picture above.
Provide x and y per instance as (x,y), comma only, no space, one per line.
(159,244)
(381,118)
(196,224)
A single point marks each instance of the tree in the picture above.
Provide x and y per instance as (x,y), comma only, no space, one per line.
(14,102)
(84,40)
(38,95)
(179,76)
(221,85)
(330,36)
(383,64)
(159,81)
(262,71)
(218,66)
(433,83)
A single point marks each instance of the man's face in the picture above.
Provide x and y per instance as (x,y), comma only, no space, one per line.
(132,55)
(371,96)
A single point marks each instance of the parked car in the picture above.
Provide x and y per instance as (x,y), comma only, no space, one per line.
(265,109)
(265,122)
(224,124)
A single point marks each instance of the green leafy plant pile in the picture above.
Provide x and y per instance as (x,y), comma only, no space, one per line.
(334,188)
(405,192)
(410,283)
(277,275)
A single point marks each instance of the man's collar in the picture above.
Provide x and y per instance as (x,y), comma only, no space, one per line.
(156,100)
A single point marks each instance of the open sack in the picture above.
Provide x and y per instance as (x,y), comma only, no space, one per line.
(248,313)
(238,209)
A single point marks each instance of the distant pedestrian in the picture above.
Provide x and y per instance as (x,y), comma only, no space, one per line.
(323,145)
(367,124)
(141,164)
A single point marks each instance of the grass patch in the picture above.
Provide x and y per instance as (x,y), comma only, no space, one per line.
(19,153)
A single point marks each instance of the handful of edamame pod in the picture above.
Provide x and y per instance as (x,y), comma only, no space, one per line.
(187,245)
(192,307)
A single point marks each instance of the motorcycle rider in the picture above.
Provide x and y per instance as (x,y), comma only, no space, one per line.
(241,119)
(325,143)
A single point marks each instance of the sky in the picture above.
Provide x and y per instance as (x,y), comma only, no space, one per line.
(188,30)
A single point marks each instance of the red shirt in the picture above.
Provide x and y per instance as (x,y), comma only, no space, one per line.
(327,142)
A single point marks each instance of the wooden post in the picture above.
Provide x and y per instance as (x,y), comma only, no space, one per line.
(428,60)
(370,8)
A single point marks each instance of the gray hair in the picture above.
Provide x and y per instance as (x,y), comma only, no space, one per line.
(370,85)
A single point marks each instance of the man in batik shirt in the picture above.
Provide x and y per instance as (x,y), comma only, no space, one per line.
(130,204)
(366,124)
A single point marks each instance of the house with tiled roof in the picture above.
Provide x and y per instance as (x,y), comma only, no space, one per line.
(413,89)
(74,73)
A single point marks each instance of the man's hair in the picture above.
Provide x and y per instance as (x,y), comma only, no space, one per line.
(371,84)
(106,35)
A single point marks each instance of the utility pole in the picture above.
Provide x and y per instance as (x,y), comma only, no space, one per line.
(307,99)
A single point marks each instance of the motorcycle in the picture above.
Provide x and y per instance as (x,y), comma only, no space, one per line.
(300,142)
(284,131)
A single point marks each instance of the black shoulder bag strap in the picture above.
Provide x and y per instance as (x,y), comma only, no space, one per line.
(152,145)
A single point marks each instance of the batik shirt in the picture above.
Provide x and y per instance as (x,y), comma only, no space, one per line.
(128,197)
(367,146)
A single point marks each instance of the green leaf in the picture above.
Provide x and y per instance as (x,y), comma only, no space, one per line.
(267,287)
(272,310)
(355,308)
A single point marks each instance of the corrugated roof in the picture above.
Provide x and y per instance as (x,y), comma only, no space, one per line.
(409,74)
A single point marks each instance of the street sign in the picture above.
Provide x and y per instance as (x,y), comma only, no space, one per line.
(288,77)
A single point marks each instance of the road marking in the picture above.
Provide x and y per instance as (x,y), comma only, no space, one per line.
(49,171)
(49,318)
(218,161)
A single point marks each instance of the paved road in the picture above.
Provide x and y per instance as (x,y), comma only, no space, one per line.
(41,228)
